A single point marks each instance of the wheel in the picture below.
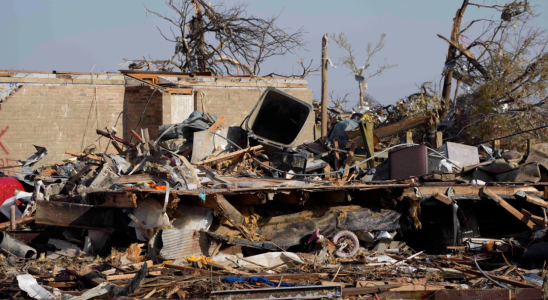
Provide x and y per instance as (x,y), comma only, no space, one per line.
(351,241)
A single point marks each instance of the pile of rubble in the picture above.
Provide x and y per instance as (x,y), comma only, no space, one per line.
(210,211)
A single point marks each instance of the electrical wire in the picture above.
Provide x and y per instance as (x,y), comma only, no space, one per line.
(490,279)
(514,134)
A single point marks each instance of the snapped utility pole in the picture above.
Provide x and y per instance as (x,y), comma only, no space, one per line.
(324,85)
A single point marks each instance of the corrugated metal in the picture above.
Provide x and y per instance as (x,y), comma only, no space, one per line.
(182,243)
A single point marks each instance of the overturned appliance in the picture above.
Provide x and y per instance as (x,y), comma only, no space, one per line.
(278,119)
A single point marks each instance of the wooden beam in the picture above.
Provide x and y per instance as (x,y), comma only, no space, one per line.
(183,268)
(337,159)
(129,276)
(409,137)
(442,198)
(232,215)
(503,279)
(530,144)
(496,145)
(228,156)
(404,126)
(349,160)
(536,219)
(80,154)
(136,135)
(439,139)
(217,123)
(20,221)
(530,199)
(485,191)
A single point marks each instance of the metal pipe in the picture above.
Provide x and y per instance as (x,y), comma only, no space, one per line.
(16,247)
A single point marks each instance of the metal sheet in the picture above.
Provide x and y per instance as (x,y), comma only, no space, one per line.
(74,215)
(206,142)
(182,243)
(301,292)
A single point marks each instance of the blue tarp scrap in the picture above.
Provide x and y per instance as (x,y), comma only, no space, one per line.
(253,280)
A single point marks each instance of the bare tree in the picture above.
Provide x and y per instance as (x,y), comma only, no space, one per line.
(220,39)
(505,68)
(349,61)
(338,101)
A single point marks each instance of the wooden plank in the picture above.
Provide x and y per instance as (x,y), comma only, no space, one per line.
(80,154)
(530,199)
(349,160)
(232,215)
(408,295)
(439,139)
(487,192)
(21,221)
(536,219)
(134,178)
(443,198)
(136,135)
(217,123)
(471,190)
(183,268)
(337,159)
(403,126)
(502,279)
(184,91)
(409,137)
(228,155)
(129,276)
(62,284)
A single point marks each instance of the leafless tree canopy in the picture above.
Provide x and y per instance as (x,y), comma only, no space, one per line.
(220,39)
(505,68)
(349,60)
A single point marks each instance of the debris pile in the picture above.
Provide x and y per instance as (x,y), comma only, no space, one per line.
(212,211)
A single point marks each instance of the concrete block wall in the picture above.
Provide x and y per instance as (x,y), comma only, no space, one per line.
(57,116)
(236,103)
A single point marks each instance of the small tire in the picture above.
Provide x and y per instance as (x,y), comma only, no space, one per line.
(349,235)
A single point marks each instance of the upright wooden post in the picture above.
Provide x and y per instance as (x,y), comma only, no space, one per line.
(496,145)
(324,85)
(409,137)
(370,143)
(530,144)
(12,218)
(439,139)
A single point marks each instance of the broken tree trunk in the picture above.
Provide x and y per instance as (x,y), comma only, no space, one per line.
(451,54)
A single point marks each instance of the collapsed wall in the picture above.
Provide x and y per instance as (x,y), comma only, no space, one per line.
(62,110)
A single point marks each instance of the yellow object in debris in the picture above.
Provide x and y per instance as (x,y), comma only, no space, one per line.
(514,26)
(202,259)
(167,262)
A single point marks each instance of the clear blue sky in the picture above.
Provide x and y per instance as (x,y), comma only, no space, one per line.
(76,35)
